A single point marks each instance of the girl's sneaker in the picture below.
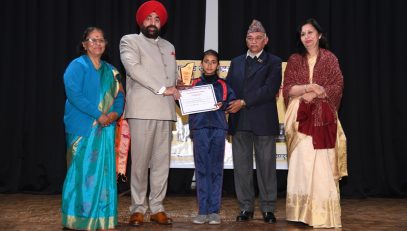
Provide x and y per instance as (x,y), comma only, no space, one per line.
(214,219)
(200,219)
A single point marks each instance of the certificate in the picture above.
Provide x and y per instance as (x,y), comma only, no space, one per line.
(197,99)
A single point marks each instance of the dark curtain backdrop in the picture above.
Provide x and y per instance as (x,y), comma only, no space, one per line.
(38,40)
(369,39)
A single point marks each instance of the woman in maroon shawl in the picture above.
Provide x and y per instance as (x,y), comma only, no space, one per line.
(312,90)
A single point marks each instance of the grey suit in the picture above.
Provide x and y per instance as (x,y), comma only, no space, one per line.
(150,65)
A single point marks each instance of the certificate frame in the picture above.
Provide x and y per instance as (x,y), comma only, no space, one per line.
(197,99)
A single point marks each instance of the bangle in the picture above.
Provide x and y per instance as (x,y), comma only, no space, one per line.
(305,88)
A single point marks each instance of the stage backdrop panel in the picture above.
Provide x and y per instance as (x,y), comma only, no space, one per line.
(181,149)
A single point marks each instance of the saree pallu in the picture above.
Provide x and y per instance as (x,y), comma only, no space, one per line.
(89,196)
(313,195)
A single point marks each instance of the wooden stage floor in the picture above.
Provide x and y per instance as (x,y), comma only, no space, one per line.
(42,212)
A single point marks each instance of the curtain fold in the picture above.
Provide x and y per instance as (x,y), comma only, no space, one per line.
(368,37)
(38,40)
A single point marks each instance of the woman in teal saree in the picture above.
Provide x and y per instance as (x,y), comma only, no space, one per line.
(94,102)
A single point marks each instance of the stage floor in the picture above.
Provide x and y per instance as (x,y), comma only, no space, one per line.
(42,212)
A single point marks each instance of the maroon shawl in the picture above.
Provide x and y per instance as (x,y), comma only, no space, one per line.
(318,117)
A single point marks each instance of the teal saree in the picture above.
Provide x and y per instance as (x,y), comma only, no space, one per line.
(89,197)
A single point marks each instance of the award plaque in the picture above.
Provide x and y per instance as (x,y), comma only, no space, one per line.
(187,72)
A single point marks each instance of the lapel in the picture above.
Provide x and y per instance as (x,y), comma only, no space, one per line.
(239,78)
(241,66)
(258,64)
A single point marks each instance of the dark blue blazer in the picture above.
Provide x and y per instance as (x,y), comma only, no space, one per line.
(259,90)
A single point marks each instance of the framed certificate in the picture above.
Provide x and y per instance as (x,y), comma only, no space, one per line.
(197,99)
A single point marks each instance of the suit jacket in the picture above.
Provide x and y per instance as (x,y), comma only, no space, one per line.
(258,89)
(150,65)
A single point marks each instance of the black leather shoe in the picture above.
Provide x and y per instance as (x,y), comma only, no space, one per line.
(269,217)
(244,216)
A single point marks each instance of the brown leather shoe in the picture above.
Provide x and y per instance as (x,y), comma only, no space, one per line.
(161,218)
(136,219)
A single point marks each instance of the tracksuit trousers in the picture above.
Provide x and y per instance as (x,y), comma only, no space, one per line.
(209,152)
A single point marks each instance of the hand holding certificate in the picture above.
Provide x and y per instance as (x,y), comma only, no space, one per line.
(197,99)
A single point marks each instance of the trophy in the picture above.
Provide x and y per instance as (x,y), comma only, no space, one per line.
(281,135)
(187,72)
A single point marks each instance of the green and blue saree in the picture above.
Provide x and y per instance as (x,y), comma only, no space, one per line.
(89,197)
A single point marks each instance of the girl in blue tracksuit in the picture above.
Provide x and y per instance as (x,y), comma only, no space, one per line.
(208,132)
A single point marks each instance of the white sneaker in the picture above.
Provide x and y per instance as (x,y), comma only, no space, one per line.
(200,219)
(214,219)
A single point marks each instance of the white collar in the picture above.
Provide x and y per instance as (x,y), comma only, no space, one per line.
(253,55)
(155,40)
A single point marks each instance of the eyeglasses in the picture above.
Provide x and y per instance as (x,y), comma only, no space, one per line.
(257,39)
(94,41)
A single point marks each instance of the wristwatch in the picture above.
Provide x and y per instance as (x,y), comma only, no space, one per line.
(243,103)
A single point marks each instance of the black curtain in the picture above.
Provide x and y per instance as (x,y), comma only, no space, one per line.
(369,39)
(38,40)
